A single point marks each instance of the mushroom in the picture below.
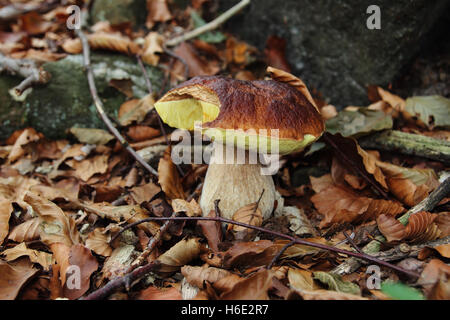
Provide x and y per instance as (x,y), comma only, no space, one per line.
(242,114)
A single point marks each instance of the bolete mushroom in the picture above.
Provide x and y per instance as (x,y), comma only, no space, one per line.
(237,113)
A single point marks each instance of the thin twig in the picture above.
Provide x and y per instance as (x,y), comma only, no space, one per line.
(150,245)
(287,245)
(142,271)
(296,240)
(209,26)
(150,92)
(352,243)
(99,105)
(25,68)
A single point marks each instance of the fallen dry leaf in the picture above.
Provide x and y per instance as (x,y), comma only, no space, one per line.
(255,287)
(179,255)
(14,276)
(169,178)
(212,231)
(339,204)
(191,209)
(25,137)
(40,257)
(158,11)
(154,293)
(197,275)
(55,224)
(86,168)
(5,213)
(26,231)
(250,254)
(98,242)
(145,192)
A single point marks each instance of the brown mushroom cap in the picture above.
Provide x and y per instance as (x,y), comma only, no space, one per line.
(223,103)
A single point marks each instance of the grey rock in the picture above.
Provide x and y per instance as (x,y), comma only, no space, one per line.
(65,101)
(120,11)
(330,46)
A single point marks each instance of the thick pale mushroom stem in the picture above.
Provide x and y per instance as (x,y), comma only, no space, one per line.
(236,184)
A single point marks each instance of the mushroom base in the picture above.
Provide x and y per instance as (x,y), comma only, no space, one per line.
(237,185)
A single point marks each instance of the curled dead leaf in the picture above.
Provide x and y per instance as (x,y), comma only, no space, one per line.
(179,255)
(169,178)
(197,275)
(14,276)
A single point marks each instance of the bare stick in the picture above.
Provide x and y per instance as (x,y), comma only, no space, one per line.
(25,68)
(142,271)
(289,244)
(99,105)
(150,245)
(209,26)
(296,240)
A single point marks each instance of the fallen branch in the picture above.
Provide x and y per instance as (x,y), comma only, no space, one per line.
(25,68)
(402,251)
(99,105)
(129,278)
(210,25)
(409,144)
(373,247)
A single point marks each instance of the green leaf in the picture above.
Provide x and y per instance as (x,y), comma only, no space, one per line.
(399,291)
(432,110)
(335,283)
(358,123)
(211,36)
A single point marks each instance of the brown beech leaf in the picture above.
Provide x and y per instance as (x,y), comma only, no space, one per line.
(145,192)
(255,287)
(158,11)
(142,133)
(179,255)
(328,295)
(197,275)
(443,223)
(91,136)
(26,231)
(169,178)
(407,184)
(301,280)
(153,44)
(227,283)
(198,66)
(86,168)
(249,214)
(40,257)
(391,228)
(5,213)
(286,77)
(420,228)
(14,276)
(191,209)
(396,103)
(432,273)
(339,204)
(55,224)
(130,213)
(250,254)
(25,137)
(351,155)
(299,250)
(275,53)
(82,258)
(103,41)
(98,242)
(444,250)
(212,230)
(154,293)
(135,110)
